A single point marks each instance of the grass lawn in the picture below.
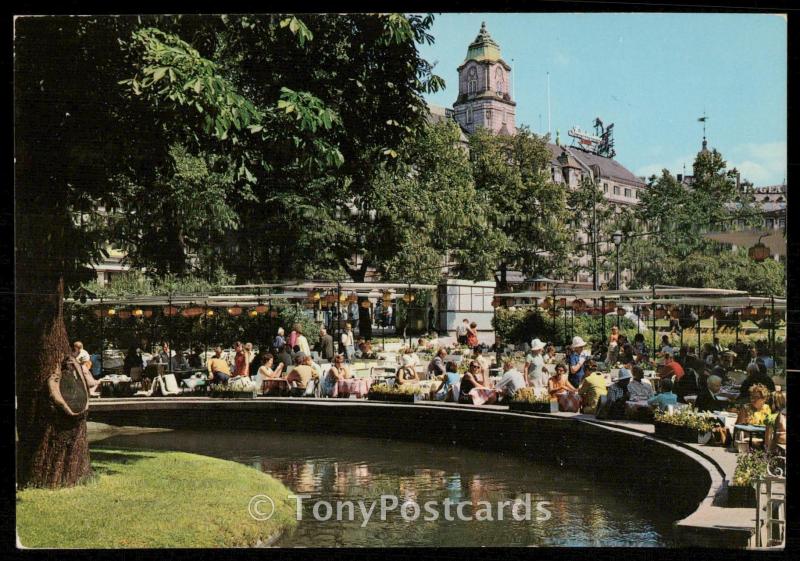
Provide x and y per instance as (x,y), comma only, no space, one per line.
(154,499)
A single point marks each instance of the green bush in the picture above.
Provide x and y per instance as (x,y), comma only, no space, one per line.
(517,325)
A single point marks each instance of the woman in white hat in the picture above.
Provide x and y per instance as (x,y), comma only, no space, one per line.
(406,374)
(535,373)
(576,360)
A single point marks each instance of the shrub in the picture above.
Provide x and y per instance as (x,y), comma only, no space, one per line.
(750,466)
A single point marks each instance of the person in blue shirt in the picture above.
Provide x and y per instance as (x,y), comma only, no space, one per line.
(577,359)
(449,379)
(664,398)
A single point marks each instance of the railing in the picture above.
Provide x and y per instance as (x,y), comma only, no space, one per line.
(771,505)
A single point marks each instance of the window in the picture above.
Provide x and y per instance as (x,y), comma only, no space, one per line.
(770,223)
(469,114)
(782,223)
(503,114)
(489,115)
(472,84)
(636,194)
(616,189)
(605,187)
(627,193)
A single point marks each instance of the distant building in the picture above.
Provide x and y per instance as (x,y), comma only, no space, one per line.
(484,89)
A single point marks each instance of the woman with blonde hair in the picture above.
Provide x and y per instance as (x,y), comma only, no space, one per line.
(757,411)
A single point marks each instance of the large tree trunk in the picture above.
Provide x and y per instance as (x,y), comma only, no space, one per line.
(52,449)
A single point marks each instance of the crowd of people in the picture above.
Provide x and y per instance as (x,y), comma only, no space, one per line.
(572,378)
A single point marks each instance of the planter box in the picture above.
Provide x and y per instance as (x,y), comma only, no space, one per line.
(396,398)
(680,433)
(550,407)
(741,496)
(233,395)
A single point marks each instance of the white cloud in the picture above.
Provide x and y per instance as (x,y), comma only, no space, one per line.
(763,164)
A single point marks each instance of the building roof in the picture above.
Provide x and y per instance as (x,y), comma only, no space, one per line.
(609,167)
(437,114)
(483,47)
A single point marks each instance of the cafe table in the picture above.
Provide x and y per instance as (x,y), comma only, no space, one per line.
(358,387)
(750,430)
(274,385)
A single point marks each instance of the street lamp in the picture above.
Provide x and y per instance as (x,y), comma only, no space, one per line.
(617,238)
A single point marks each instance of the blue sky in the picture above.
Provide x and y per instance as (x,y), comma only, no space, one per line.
(652,75)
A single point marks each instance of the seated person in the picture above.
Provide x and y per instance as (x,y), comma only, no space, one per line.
(724,366)
(756,374)
(133,359)
(550,355)
(559,387)
(337,372)
(670,368)
(196,358)
(79,352)
(592,388)
(707,398)
(757,411)
(511,381)
(285,357)
(639,388)
(472,379)
(436,367)
(618,396)
(218,370)
(265,371)
(301,375)
(775,437)
(448,380)
(366,351)
(688,384)
(406,374)
(179,361)
(664,398)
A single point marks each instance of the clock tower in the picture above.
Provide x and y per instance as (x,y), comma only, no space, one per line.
(484,88)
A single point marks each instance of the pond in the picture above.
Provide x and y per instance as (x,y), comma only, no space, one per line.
(582,508)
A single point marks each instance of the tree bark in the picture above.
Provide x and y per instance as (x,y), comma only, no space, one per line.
(52,448)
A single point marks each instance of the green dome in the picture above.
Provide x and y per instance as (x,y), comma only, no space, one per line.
(483,47)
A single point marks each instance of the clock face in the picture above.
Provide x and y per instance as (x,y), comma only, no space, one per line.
(472,72)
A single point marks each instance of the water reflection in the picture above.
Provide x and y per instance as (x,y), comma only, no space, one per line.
(587,508)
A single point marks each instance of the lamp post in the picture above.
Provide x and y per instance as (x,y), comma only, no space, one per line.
(617,238)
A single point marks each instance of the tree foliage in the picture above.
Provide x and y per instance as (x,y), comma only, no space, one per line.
(527,213)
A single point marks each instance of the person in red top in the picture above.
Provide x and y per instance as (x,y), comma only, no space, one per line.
(240,367)
(670,368)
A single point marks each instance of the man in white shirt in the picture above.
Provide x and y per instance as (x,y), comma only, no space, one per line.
(510,383)
(302,342)
(639,388)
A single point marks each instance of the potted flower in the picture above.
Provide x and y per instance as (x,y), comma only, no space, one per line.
(526,399)
(407,393)
(750,466)
(231,391)
(686,425)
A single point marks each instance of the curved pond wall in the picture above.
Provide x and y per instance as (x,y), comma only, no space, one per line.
(680,478)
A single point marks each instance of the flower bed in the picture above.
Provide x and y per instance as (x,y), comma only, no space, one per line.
(402,394)
(686,425)
(526,399)
(232,391)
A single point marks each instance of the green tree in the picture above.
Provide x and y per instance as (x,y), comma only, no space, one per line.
(527,213)
(106,109)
